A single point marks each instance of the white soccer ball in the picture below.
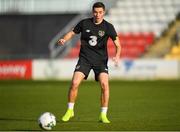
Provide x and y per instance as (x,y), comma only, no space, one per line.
(47,121)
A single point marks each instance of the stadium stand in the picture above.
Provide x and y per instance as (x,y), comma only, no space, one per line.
(162,46)
(174,52)
(139,23)
(35,24)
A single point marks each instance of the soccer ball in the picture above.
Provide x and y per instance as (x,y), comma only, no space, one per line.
(47,121)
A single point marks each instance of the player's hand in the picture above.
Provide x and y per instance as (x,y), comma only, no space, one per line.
(61,41)
(116,61)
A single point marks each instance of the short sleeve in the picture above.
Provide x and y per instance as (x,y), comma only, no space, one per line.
(112,32)
(78,28)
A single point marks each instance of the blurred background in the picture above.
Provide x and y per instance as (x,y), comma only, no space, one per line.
(149,32)
(145,87)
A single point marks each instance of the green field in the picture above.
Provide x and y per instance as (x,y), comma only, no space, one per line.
(134,105)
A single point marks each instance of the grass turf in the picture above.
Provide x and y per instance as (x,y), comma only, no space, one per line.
(134,105)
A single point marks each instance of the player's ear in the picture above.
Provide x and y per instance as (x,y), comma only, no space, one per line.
(104,12)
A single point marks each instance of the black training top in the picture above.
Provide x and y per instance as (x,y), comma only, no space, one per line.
(94,40)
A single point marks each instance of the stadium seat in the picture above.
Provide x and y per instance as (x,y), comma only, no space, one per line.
(174,53)
(138,24)
(143,15)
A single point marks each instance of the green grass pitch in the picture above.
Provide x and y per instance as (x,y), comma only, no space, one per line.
(134,105)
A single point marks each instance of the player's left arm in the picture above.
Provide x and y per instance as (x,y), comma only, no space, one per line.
(117,44)
(114,36)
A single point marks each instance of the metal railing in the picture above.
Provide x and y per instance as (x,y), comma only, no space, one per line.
(61,51)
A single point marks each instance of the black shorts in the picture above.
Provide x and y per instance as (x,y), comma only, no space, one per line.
(85,68)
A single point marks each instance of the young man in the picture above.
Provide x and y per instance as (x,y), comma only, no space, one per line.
(93,55)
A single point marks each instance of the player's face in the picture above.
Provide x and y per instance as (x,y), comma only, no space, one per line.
(98,14)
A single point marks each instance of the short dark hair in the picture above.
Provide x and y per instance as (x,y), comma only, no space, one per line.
(98,5)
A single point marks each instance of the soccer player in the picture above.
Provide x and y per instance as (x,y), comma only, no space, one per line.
(93,55)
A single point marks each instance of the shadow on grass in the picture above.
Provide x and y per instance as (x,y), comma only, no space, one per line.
(2,119)
(73,122)
(58,121)
(17,119)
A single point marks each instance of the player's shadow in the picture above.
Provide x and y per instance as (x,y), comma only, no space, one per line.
(77,121)
(17,119)
(34,120)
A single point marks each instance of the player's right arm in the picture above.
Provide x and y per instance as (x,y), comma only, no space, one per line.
(66,37)
(77,29)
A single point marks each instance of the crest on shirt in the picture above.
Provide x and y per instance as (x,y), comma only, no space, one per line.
(101,33)
(87,30)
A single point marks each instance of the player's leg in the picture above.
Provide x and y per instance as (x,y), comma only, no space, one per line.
(104,83)
(72,95)
(76,80)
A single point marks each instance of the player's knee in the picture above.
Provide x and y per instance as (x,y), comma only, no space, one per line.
(104,86)
(74,85)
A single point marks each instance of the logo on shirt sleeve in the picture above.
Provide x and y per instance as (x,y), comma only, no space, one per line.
(77,67)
